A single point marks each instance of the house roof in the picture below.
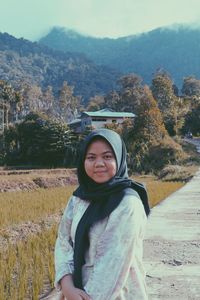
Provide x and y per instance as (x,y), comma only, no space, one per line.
(75,121)
(109,113)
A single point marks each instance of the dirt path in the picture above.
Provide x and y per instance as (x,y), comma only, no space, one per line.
(172,245)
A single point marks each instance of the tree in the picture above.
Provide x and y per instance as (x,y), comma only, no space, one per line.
(192,121)
(37,141)
(148,130)
(32,98)
(129,95)
(113,101)
(68,103)
(171,106)
(96,103)
(191,86)
(48,101)
(149,122)
(9,102)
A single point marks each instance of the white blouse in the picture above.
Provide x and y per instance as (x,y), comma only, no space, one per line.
(113,267)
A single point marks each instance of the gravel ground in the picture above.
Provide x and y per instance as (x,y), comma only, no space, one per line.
(172,245)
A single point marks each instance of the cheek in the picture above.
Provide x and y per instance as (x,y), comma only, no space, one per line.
(114,168)
(87,167)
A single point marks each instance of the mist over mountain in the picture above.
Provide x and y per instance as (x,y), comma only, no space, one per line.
(93,65)
(36,64)
(175,49)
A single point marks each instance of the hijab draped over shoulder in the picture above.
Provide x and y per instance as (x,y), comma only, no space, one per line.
(103,197)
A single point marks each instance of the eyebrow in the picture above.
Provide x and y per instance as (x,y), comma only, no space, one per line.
(91,153)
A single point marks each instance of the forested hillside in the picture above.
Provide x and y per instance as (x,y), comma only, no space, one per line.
(174,49)
(22,61)
(42,90)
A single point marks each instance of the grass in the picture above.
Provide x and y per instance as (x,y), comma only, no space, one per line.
(158,189)
(25,206)
(26,267)
(33,206)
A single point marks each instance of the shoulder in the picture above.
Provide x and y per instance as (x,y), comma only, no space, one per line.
(78,204)
(131,209)
(132,203)
(129,215)
(74,206)
(74,201)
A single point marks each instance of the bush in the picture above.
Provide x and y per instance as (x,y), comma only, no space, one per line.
(165,153)
(38,141)
(2,158)
(151,158)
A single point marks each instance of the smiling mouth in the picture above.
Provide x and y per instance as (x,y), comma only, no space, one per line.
(100,172)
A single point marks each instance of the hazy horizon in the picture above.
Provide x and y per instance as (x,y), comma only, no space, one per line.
(108,18)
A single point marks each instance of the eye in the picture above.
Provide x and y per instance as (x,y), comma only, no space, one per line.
(108,156)
(90,157)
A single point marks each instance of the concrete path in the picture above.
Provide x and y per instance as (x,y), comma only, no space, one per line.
(172,245)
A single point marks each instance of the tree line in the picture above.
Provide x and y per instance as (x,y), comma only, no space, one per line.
(36,130)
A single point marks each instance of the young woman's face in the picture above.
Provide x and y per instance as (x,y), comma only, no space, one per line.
(100,163)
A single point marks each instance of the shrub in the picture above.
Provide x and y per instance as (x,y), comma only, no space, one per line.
(164,153)
(151,158)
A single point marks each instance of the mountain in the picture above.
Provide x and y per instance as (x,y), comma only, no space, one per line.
(22,60)
(175,49)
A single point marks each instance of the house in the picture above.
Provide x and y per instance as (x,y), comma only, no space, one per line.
(98,119)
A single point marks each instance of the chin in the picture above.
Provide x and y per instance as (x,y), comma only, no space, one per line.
(101,180)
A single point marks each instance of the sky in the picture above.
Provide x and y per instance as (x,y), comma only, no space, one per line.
(32,19)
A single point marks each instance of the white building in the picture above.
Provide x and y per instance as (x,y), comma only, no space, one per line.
(100,118)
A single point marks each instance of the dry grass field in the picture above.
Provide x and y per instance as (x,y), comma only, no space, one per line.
(28,226)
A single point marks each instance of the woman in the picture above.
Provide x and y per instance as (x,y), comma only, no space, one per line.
(98,253)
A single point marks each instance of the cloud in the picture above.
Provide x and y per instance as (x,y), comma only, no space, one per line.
(32,18)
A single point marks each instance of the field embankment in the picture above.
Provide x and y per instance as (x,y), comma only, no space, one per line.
(12,180)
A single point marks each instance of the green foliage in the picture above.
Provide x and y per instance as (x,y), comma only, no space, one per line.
(11,143)
(37,65)
(148,144)
(191,86)
(38,140)
(10,101)
(148,131)
(177,51)
(95,103)
(192,121)
(172,107)
(128,97)
(68,103)
(153,157)
(7,93)
(164,153)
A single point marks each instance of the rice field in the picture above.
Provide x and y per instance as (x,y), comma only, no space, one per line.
(26,265)
(23,206)
(26,268)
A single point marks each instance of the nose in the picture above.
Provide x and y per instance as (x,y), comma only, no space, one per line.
(99,162)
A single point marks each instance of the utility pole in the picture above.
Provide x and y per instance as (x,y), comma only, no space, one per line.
(1,120)
(2,125)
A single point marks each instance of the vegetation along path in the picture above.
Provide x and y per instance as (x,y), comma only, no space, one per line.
(172,245)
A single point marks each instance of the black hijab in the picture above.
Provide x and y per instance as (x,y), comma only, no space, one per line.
(103,197)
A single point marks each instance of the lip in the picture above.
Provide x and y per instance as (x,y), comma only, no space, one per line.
(99,172)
